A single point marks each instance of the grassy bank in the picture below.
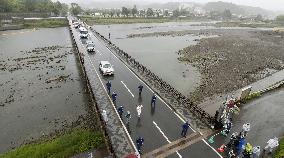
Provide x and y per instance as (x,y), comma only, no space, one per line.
(280,151)
(131,20)
(47,23)
(105,21)
(66,145)
(244,24)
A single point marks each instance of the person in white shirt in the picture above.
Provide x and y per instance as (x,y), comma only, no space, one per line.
(271,144)
(139,110)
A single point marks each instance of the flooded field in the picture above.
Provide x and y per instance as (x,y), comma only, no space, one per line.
(41,90)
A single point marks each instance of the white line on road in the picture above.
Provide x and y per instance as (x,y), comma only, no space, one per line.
(176,113)
(99,52)
(165,136)
(127,89)
(127,133)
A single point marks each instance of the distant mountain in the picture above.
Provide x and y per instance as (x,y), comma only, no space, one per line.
(237,9)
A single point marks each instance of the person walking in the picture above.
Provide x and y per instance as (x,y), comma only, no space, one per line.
(256,151)
(113,96)
(153,100)
(120,110)
(108,85)
(128,117)
(246,129)
(139,110)
(140,87)
(271,144)
(139,143)
(185,127)
(104,114)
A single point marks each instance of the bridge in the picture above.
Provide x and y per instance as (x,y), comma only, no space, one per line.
(160,126)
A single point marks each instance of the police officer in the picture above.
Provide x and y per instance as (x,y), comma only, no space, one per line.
(139,143)
(153,101)
(108,85)
(140,87)
(120,110)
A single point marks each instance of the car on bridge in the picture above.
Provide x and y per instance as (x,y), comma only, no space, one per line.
(106,68)
(90,47)
(83,32)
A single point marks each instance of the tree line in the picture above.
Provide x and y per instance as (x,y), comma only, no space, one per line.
(35,6)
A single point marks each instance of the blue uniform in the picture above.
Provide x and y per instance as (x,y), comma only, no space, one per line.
(184,129)
(113,96)
(140,89)
(139,143)
(153,101)
(120,110)
(108,85)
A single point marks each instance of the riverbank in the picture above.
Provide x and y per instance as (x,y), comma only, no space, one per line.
(64,144)
(248,24)
(131,20)
(234,59)
(36,23)
(42,91)
(280,151)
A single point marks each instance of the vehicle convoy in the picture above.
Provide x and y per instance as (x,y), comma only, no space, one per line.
(106,68)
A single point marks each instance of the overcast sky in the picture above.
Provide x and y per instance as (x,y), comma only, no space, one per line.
(266,4)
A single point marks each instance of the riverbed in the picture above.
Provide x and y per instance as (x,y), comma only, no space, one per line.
(42,91)
(159,54)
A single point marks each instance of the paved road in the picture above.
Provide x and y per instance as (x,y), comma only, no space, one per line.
(159,125)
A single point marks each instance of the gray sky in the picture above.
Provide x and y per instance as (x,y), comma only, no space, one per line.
(266,4)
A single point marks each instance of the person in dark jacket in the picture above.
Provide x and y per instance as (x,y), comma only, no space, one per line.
(185,127)
(153,101)
(113,96)
(120,110)
(139,143)
(140,87)
(108,85)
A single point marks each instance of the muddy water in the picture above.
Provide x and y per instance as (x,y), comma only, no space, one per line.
(33,100)
(159,53)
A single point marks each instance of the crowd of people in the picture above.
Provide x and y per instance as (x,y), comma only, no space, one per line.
(237,146)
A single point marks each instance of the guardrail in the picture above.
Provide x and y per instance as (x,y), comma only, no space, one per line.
(87,82)
(143,70)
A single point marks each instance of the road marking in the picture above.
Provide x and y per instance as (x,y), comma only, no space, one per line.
(127,88)
(212,148)
(99,52)
(165,136)
(178,115)
(127,133)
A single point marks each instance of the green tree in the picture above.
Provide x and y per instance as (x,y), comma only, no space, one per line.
(176,13)
(259,17)
(280,18)
(134,11)
(149,12)
(227,14)
(125,11)
(166,13)
(75,9)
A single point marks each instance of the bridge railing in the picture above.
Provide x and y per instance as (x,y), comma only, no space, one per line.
(143,70)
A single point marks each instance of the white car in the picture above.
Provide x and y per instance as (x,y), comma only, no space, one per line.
(84,35)
(106,68)
(90,42)
(90,47)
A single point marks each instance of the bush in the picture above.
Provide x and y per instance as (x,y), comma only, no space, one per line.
(69,144)
(280,151)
